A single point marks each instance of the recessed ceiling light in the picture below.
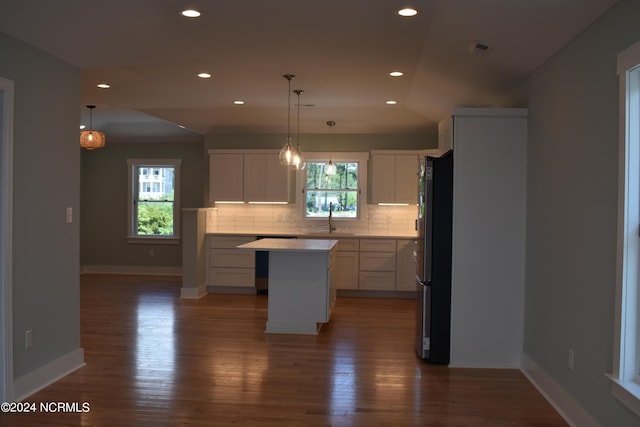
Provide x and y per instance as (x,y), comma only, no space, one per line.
(396,73)
(204,75)
(190,13)
(181,127)
(391,102)
(82,126)
(238,102)
(104,85)
(407,12)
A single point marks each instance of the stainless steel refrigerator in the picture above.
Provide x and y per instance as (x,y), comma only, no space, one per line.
(433,258)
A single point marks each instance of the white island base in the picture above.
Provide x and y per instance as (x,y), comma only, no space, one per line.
(301,284)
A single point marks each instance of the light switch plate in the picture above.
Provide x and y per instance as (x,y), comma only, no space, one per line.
(69,215)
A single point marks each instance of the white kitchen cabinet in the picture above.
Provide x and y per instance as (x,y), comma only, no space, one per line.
(248,176)
(265,179)
(228,266)
(405,265)
(302,288)
(377,264)
(394,177)
(226,171)
(346,263)
(346,270)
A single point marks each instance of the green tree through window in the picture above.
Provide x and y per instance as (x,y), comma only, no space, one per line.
(154,202)
(338,192)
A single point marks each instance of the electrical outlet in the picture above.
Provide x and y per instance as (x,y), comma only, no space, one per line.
(28,339)
(570,360)
(69,215)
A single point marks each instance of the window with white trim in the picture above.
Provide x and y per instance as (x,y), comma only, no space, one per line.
(626,360)
(343,192)
(154,200)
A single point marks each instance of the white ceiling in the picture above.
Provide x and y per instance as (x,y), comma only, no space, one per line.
(340,51)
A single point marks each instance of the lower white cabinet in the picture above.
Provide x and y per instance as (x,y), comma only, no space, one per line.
(228,266)
(405,265)
(377,265)
(377,280)
(357,264)
(347,264)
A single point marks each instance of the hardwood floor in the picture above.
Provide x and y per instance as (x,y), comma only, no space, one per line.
(154,360)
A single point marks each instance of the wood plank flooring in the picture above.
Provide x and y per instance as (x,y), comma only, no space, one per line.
(156,360)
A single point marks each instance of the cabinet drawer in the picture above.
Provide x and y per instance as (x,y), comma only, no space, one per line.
(346,270)
(229,241)
(377,245)
(232,258)
(240,277)
(378,261)
(348,245)
(377,281)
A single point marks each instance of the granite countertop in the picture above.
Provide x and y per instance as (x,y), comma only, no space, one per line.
(290,245)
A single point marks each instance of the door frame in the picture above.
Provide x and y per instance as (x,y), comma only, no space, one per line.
(6,233)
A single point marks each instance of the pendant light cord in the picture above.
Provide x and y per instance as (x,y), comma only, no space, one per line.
(289,77)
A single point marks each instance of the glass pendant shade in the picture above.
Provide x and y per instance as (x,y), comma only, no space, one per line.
(299,161)
(91,139)
(330,169)
(288,154)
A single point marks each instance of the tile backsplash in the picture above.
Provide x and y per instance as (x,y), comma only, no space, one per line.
(379,220)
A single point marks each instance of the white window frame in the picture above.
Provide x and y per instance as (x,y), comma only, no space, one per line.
(626,352)
(361,158)
(132,194)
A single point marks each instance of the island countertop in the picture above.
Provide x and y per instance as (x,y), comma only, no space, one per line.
(290,245)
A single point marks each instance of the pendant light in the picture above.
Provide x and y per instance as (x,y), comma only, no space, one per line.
(331,168)
(91,139)
(298,159)
(288,152)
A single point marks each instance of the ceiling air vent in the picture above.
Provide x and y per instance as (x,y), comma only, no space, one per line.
(479,48)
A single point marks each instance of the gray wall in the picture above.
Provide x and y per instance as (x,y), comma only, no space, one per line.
(104,202)
(572,211)
(46,171)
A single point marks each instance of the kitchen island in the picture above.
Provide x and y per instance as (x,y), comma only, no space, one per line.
(302,288)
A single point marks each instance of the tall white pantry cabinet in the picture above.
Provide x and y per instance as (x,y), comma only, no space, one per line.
(489,221)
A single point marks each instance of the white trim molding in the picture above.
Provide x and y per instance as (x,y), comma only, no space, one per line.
(35,381)
(6,235)
(562,401)
(626,339)
(132,269)
(193,293)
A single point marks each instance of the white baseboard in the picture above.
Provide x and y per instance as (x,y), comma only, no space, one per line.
(132,269)
(193,293)
(32,382)
(562,401)
(480,365)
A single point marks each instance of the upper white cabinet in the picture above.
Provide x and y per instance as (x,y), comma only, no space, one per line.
(265,179)
(248,176)
(226,177)
(394,176)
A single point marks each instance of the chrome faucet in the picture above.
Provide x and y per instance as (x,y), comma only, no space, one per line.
(331,226)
